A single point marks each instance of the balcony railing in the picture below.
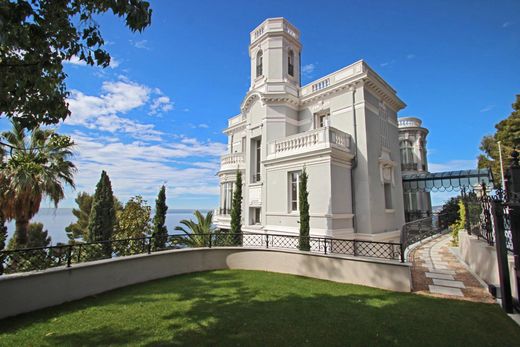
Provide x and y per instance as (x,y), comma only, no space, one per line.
(326,137)
(232,161)
(409,167)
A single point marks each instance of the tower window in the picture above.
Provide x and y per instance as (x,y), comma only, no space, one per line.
(290,61)
(259,61)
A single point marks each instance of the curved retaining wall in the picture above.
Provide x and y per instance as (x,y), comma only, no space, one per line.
(27,292)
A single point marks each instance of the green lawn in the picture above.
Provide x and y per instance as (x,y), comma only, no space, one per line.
(258,308)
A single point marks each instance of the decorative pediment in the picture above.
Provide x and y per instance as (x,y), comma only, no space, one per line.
(249,101)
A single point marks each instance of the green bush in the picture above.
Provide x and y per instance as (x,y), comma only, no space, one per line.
(459,224)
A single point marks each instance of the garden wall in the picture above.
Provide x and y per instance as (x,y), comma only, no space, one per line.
(27,292)
(482,260)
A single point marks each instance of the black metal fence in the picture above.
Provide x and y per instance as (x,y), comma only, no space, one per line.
(22,260)
(480,221)
(420,229)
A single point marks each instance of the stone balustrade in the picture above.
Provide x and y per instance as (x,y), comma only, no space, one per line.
(235,120)
(347,72)
(409,122)
(308,141)
(232,161)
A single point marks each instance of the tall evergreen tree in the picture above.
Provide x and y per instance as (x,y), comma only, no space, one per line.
(3,238)
(160,232)
(508,133)
(304,213)
(79,229)
(103,215)
(236,211)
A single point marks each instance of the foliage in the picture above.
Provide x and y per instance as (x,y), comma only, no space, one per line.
(459,224)
(79,229)
(103,215)
(449,212)
(132,222)
(236,211)
(37,166)
(160,231)
(304,212)
(3,239)
(238,308)
(37,36)
(508,132)
(33,260)
(198,232)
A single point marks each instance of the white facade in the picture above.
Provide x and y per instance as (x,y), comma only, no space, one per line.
(412,141)
(342,128)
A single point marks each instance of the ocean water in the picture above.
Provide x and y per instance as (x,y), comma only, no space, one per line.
(55,221)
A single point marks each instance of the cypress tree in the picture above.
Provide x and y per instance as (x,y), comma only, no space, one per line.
(103,215)
(304,213)
(236,211)
(3,238)
(160,232)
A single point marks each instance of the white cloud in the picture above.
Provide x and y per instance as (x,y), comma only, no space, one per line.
(487,108)
(506,24)
(387,63)
(453,165)
(74,60)
(140,168)
(141,44)
(203,125)
(103,112)
(160,104)
(410,56)
(308,69)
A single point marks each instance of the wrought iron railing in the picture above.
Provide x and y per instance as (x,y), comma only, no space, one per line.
(21,260)
(479,219)
(420,229)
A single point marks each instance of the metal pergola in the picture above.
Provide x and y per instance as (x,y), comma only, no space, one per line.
(447,181)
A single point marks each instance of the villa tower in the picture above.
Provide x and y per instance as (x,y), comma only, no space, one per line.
(342,128)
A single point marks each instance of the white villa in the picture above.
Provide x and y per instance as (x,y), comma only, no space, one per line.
(342,128)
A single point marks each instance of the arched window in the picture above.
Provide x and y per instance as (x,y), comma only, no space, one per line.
(407,155)
(290,62)
(259,58)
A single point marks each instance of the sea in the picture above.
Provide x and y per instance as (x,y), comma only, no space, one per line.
(56,220)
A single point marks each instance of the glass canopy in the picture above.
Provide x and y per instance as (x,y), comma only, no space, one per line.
(447,181)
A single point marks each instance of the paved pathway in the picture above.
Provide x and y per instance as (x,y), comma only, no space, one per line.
(437,271)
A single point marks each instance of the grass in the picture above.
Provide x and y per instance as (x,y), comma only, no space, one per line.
(259,308)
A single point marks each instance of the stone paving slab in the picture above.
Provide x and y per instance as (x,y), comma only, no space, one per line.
(445,290)
(437,271)
(448,283)
(439,276)
(440,271)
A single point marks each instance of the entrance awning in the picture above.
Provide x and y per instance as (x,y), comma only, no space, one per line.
(447,181)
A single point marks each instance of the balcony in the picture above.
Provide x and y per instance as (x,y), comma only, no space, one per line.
(313,140)
(409,167)
(232,161)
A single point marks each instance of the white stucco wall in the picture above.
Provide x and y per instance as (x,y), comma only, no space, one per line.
(27,292)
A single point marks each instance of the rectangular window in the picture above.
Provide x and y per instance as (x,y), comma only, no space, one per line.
(227,198)
(294,188)
(321,120)
(256,216)
(388,196)
(258,157)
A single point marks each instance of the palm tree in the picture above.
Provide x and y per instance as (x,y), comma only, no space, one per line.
(198,232)
(37,166)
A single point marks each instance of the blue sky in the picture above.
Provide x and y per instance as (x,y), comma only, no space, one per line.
(157,113)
